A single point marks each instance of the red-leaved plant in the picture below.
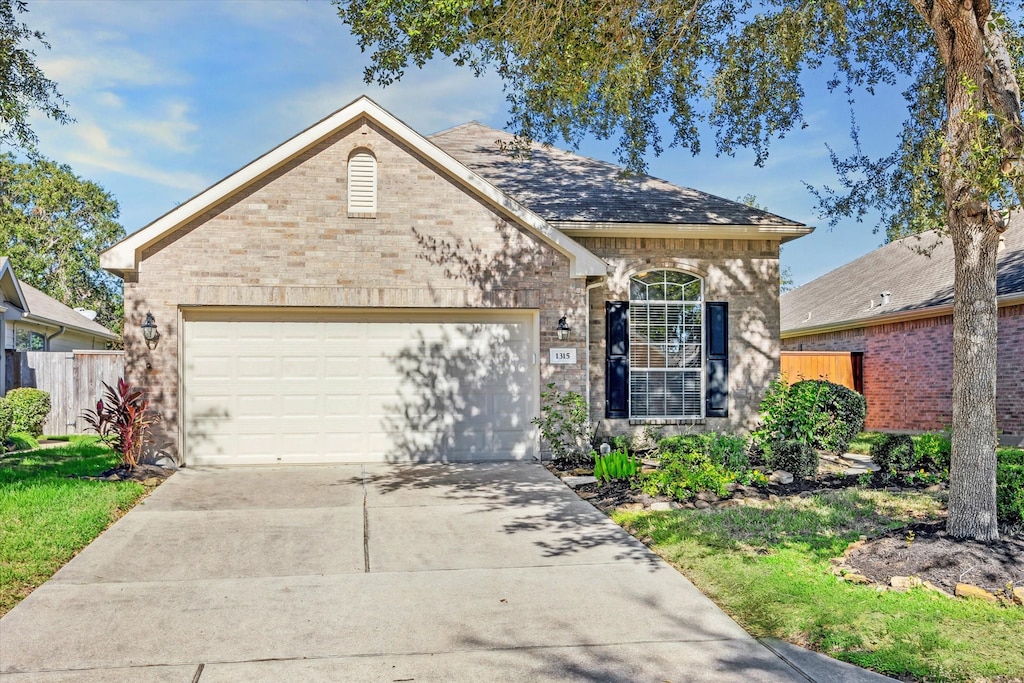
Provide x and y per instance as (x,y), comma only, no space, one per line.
(122,420)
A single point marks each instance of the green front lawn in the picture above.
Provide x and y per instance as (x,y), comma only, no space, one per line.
(769,568)
(47,515)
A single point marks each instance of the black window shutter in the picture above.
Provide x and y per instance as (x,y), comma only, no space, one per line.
(717,338)
(616,373)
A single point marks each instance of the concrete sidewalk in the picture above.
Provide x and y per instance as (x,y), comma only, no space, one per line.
(373,573)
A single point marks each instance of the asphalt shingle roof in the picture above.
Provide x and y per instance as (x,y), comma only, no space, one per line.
(563,186)
(49,309)
(914,280)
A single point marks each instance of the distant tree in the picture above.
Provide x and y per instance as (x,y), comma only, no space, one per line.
(23,87)
(614,67)
(53,226)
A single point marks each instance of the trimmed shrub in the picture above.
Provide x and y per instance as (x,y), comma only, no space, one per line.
(30,406)
(795,457)
(842,414)
(894,453)
(6,421)
(823,415)
(1010,486)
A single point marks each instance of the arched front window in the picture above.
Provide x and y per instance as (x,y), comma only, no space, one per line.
(666,345)
(362,183)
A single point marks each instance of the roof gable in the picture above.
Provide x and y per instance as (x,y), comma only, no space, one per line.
(851,295)
(9,286)
(124,256)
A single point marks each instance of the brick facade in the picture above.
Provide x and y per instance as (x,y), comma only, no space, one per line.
(908,371)
(287,241)
(743,273)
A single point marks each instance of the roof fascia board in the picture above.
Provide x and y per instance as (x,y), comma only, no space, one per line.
(783,233)
(49,322)
(124,256)
(898,317)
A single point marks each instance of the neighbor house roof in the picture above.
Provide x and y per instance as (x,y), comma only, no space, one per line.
(35,306)
(916,271)
(577,193)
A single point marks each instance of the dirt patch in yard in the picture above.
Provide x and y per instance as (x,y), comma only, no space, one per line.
(931,555)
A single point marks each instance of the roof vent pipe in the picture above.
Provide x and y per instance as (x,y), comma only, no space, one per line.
(885,297)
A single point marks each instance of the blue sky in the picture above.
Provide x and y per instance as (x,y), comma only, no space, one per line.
(171,96)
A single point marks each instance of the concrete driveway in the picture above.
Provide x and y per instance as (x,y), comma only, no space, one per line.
(373,573)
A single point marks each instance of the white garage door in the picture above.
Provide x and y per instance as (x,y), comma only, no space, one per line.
(279,388)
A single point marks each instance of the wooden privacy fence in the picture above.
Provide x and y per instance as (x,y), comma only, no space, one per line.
(840,367)
(74,380)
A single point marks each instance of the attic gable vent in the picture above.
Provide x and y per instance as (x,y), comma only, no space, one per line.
(362,184)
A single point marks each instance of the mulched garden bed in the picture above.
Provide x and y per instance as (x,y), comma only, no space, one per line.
(931,555)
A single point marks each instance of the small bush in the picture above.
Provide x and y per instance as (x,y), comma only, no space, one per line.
(894,453)
(122,419)
(564,423)
(723,450)
(1010,486)
(31,407)
(932,453)
(793,456)
(6,422)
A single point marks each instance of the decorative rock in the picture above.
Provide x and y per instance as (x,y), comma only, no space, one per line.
(112,477)
(781,477)
(701,504)
(966,590)
(152,481)
(772,498)
(676,506)
(1018,595)
(806,494)
(732,487)
(738,495)
(653,464)
(689,506)
(647,470)
(856,578)
(577,481)
(587,495)
(707,496)
(729,503)
(928,585)
(631,506)
(166,463)
(935,488)
(904,583)
(661,505)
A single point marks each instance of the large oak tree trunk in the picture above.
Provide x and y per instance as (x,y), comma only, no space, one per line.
(978,80)
(972,472)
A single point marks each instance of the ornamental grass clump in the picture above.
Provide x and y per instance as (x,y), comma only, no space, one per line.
(122,419)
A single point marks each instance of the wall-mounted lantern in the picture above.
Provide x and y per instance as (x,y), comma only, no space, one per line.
(562,329)
(149,331)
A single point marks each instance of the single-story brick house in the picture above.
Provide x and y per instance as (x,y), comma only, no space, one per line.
(895,306)
(34,321)
(362,292)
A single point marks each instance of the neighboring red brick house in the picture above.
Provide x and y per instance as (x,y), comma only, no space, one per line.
(362,292)
(894,305)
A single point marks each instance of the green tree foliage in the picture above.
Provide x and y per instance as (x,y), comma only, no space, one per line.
(613,68)
(53,225)
(23,87)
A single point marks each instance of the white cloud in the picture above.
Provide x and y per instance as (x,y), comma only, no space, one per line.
(172,130)
(182,180)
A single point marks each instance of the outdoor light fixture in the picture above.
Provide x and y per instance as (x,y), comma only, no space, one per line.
(562,329)
(150,332)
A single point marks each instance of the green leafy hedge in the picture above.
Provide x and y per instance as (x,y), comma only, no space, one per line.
(1010,486)
(894,453)
(30,406)
(795,457)
(822,414)
(6,422)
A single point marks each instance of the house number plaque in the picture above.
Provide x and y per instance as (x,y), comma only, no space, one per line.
(563,356)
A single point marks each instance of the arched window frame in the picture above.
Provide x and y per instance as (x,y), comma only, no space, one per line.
(362,184)
(666,345)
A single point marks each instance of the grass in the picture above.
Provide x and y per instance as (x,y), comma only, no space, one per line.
(769,568)
(47,515)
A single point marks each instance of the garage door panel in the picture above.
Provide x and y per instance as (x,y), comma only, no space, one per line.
(357,390)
